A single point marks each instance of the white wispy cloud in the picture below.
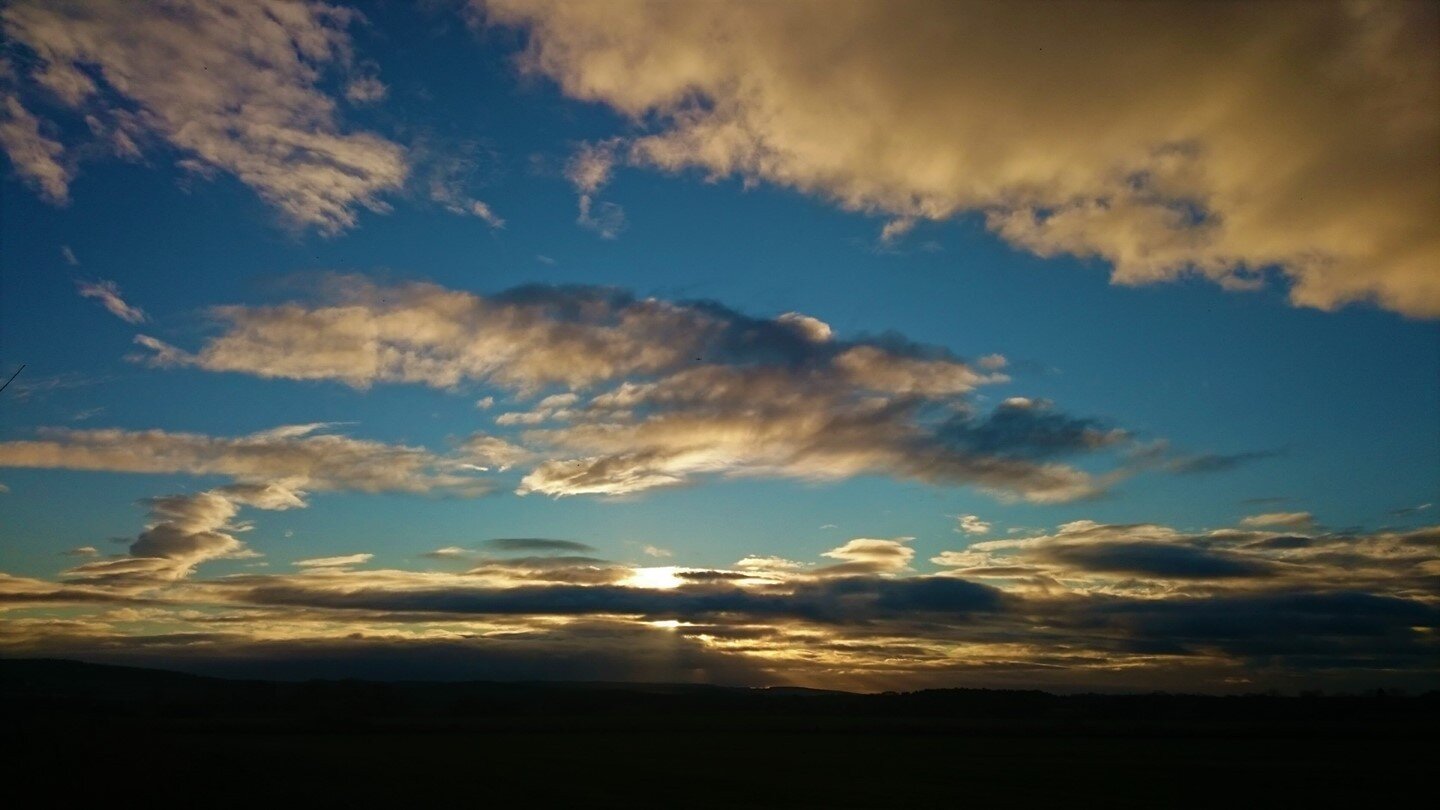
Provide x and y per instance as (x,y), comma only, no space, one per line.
(972,524)
(589,170)
(334,562)
(234,85)
(298,456)
(1281,519)
(108,294)
(37,157)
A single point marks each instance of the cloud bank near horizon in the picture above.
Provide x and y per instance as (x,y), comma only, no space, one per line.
(1118,605)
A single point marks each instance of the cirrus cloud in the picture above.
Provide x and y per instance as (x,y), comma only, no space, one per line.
(233,85)
(296,455)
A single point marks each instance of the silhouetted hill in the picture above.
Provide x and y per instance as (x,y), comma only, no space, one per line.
(79,735)
(68,689)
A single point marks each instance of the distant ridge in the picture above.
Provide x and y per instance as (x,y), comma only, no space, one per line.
(79,730)
(65,688)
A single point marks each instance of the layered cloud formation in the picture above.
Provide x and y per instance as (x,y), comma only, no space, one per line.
(594,391)
(1220,139)
(272,470)
(1154,560)
(645,393)
(233,85)
(293,455)
(1132,606)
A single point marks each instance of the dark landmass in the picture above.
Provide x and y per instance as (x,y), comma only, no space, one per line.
(79,733)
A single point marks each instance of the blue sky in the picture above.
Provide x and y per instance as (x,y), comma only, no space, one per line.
(1329,412)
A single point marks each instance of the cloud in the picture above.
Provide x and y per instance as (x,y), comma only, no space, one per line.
(864,555)
(1126,606)
(419,333)
(83,551)
(448,553)
(1294,136)
(36,157)
(971,524)
(1026,428)
(1156,559)
(541,545)
(536,336)
(589,170)
(366,90)
(1217,462)
(593,650)
(821,425)
(656,551)
(836,600)
(24,389)
(483,211)
(896,229)
(295,455)
(763,565)
(1150,560)
(657,393)
(550,568)
(232,85)
(334,562)
(492,451)
(1158,455)
(184,531)
(450,175)
(1289,520)
(25,592)
(108,294)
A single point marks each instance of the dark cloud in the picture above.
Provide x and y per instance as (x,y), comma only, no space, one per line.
(1281,542)
(536,544)
(23,591)
(838,600)
(712,576)
(566,569)
(1167,561)
(1023,428)
(1221,462)
(584,651)
(1158,560)
(1279,624)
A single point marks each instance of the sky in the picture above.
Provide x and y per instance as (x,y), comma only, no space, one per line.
(852,345)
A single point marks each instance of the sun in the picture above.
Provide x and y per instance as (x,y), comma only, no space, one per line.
(659,577)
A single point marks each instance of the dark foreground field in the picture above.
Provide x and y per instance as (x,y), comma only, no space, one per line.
(78,734)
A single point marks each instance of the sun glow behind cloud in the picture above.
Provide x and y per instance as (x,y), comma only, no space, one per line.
(660,577)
